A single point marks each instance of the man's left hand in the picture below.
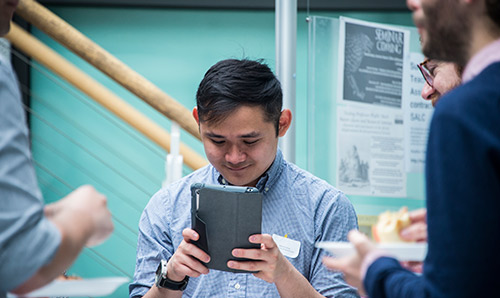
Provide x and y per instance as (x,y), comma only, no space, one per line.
(269,261)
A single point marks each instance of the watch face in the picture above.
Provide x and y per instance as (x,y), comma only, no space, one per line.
(158,271)
(162,281)
(158,274)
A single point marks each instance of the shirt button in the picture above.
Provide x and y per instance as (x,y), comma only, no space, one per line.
(237,286)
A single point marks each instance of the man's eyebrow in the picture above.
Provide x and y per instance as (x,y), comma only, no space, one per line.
(253,134)
(213,135)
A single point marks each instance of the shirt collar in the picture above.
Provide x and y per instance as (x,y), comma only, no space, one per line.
(486,56)
(269,178)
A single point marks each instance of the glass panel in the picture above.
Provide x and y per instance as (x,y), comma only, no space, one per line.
(323,52)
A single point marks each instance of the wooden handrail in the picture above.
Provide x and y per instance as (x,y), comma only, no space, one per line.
(59,65)
(81,45)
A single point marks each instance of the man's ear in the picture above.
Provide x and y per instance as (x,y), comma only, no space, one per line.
(285,122)
(195,115)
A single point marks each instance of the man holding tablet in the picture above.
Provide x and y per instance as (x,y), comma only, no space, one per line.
(240,116)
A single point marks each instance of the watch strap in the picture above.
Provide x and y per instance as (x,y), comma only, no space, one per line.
(165,282)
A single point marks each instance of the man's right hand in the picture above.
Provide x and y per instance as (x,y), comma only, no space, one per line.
(417,230)
(186,259)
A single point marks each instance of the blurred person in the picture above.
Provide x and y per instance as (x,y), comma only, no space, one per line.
(240,117)
(462,166)
(37,243)
(440,77)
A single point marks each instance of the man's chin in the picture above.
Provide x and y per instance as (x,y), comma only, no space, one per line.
(239,181)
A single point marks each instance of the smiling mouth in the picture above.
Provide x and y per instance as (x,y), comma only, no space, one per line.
(237,169)
(420,31)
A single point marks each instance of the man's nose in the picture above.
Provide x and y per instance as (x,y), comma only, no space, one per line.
(234,155)
(413,4)
(427,92)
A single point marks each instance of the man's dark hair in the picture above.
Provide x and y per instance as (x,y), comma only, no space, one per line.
(493,9)
(232,83)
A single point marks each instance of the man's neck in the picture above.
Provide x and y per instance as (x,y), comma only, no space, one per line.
(484,32)
(484,55)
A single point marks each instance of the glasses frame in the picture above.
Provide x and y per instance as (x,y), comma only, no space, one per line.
(429,79)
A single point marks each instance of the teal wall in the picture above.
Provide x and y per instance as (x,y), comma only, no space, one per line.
(76,142)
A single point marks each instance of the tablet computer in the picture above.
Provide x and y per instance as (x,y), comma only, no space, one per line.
(225,216)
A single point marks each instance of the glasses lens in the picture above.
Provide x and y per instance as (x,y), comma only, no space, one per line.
(425,73)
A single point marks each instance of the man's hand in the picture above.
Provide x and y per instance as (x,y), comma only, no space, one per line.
(83,218)
(417,231)
(90,207)
(413,266)
(269,261)
(186,259)
(350,266)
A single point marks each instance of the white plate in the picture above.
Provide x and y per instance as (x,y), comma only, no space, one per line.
(77,288)
(400,251)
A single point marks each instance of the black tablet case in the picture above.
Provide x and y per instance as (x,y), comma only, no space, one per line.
(226,216)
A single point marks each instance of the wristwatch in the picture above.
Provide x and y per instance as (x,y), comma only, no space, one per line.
(162,281)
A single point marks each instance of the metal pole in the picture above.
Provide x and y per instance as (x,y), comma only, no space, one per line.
(286,60)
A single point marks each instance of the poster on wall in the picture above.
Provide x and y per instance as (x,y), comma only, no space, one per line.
(371,60)
(418,114)
(370,152)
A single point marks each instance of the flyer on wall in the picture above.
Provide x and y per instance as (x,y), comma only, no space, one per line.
(370,152)
(370,119)
(371,59)
(418,114)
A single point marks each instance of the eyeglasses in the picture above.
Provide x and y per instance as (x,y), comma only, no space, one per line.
(429,79)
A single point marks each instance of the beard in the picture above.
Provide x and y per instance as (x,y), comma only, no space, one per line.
(448,36)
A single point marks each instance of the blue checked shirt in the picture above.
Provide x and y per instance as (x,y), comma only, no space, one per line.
(294,202)
(28,240)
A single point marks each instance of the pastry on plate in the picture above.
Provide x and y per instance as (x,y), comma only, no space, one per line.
(389,224)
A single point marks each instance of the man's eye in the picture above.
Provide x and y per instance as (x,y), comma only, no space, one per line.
(250,142)
(218,142)
(432,70)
